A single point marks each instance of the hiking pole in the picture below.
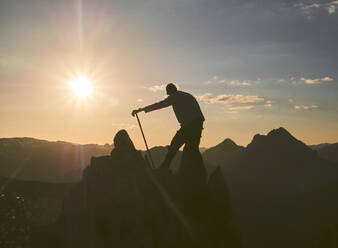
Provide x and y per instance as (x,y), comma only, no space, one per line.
(144,138)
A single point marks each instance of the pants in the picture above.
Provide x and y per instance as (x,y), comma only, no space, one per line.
(190,135)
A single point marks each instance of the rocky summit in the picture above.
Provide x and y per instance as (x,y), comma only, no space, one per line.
(121,202)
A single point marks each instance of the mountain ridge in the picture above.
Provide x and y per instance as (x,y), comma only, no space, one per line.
(24,152)
(50,161)
(274,183)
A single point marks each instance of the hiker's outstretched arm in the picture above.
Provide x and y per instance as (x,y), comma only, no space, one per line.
(162,104)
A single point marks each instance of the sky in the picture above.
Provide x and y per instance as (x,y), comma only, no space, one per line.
(254,65)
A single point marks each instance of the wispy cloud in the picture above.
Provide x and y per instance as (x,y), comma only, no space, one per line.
(229,99)
(309,9)
(160,87)
(140,100)
(239,108)
(332,9)
(231,112)
(268,104)
(234,82)
(317,80)
(305,107)
(156,88)
(240,83)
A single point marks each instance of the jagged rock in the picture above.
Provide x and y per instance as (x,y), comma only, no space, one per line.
(121,202)
(123,143)
(220,211)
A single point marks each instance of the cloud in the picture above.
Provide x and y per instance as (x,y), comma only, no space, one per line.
(240,83)
(248,107)
(317,80)
(140,100)
(314,5)
(308,9)
(268,104)
(331,9)
(237,82)
(228,99)
(161,87)
(305,107)
(156,88)
(205,98)
(231,112)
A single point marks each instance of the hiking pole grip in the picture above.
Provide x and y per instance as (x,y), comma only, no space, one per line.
(145,141)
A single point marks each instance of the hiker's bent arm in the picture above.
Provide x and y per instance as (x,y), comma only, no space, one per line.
(162,104)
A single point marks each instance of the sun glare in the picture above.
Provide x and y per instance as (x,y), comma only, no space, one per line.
(81,87)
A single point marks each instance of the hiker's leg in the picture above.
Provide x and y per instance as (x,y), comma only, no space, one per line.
(193,136)
(175,145)
(192,161)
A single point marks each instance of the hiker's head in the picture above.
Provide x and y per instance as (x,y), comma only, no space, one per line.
(170,88)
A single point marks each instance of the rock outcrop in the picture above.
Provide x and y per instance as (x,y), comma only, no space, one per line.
(121,202)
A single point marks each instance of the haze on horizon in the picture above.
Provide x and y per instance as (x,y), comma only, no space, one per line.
(254,66)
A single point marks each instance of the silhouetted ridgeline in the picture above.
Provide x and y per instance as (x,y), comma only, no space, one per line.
(327,151)
(282,193)
(277,191)
(46,161)
(41,160)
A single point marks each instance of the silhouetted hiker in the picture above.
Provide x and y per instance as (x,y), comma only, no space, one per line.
(188,114)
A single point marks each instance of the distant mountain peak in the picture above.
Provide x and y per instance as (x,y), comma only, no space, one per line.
(278,140)
(229,142)
(222,152)
(275,135)
(279,132)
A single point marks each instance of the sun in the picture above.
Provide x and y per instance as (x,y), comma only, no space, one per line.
(82,87)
